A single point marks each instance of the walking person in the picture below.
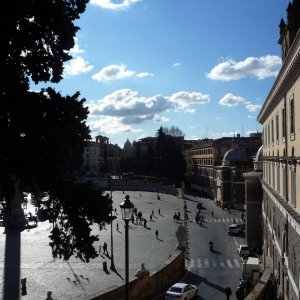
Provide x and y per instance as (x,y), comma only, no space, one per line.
(227,292)
(212,213)
(175,217)
(100,249)
(117,226)
(156,233)
(105,252)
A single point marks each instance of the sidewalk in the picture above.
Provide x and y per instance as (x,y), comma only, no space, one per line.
(74,279)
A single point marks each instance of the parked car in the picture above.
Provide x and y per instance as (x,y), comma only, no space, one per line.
(244,288)
(181,291)
(243,250)
(236,229)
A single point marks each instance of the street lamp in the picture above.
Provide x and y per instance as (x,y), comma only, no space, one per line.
(112,263)
(127,210)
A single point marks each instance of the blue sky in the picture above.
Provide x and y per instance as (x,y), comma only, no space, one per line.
(204,66)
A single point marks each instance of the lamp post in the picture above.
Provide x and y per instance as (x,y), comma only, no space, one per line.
(127,210)
(112,263)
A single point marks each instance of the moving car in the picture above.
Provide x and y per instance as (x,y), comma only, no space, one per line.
(236,229)
(181,291)
(243,250)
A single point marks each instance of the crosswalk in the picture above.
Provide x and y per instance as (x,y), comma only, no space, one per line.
(223,220)
(206,263)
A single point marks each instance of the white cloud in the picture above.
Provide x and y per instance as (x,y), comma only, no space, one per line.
(110,125)
(144,74)
(231,100)
(190,111)
(126,107)
(76,66)
(114,5)
(76,49)
(184,99)
(258,67)
(161,119)
(177,64)
(224,134)
(127,103)
(253,107)
(113,72)
(251,117)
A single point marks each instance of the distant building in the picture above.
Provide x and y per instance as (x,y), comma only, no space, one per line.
(280,117)
(253,203)
(209,165)
(100,158)
(128,146)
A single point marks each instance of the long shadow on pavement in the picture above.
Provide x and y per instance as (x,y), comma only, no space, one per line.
(197,280)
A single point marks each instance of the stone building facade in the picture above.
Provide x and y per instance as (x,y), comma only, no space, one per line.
(280,117)
(207,158)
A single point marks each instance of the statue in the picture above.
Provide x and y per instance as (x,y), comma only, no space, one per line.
(181,235)
(142,271)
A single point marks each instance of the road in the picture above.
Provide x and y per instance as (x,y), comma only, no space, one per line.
(210,271)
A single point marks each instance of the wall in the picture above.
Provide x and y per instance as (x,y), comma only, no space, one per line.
(147,287)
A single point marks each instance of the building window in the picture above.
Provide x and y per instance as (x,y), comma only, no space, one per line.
(292,118)
(283,123)
(277,128)
(269,134)
(278,178)
(272,131)
(273,175)
(284,181)
(293,185)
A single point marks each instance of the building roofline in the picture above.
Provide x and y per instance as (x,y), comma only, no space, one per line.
(288,72)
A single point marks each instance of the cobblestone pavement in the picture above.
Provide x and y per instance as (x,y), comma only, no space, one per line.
(74,279)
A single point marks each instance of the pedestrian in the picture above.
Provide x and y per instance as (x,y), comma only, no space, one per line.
(132,219)
(115,211)
(145,223)
(159,211)
(100,249)
(105,252)
(140,195)
(152,212)
(117,226)
(175,216)
(150,217)
(212,213)
(233,220)
(243,216)
(227,292)
(156,233)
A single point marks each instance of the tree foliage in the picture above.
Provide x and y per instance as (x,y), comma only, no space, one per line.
(169,155)
(42,134)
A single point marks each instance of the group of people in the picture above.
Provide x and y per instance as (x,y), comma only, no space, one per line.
(176,217)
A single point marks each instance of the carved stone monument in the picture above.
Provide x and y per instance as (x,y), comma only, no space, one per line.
(181,236)
(142,271)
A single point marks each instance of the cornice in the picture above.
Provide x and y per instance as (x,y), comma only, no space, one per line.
(286,77)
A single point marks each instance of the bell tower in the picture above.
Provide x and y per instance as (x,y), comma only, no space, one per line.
(288,31)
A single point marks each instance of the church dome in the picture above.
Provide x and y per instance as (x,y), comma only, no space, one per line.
(259,154)
(258,161)
(235,155)
(128,146)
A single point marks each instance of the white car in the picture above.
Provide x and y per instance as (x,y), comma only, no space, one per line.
(243,250)
(181,291)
